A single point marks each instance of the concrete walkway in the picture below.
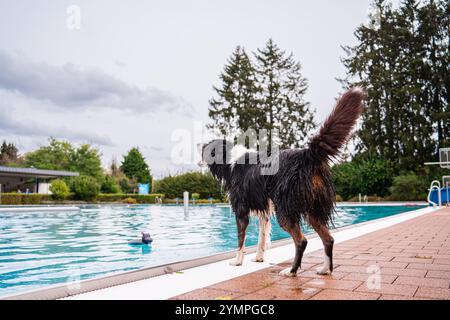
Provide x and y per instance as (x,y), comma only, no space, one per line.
(409,260)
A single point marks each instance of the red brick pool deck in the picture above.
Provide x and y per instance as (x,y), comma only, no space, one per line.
(410,260)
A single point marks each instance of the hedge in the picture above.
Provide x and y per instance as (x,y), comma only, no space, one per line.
(195,182)
(198,201)
(140,198)
(408,187)
(368,198)
(23,198)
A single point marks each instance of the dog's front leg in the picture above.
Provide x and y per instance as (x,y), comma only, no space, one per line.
(242,223)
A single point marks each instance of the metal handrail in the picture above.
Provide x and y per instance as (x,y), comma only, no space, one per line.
(447,187)
(435,184)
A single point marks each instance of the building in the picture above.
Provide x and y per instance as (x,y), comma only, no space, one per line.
(29,180)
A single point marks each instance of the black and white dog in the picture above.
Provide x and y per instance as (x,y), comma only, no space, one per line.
(300,190)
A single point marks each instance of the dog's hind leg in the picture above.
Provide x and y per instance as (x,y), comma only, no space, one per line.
(263,239)
(300,246)
(328,241)
(242,221)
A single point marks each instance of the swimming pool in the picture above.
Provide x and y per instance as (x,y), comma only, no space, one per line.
(42,248)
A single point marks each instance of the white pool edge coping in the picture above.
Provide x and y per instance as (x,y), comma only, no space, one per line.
(173,284)
(38,209)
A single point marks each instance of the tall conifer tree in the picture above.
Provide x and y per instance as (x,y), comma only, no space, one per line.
(236,108)
(402,59)
(265,94)
(282,95)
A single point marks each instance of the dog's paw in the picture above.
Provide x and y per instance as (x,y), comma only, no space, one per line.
(235,262)
(323,271)
(287,273)
(258,259)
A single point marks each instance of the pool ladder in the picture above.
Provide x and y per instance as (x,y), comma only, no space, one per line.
(435,185)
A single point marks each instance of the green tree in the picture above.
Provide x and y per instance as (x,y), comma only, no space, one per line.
(55,156)
(282,95)
(236,107)
(347,180)
(114,168)
(126,185)
(85,188)
(375,176)
(195,196)
(266,94)
(367,175)
(401,58)
(408,187)
(109,185)
(87,161)
(9,154)
(59,189)
(135,167)
(62,155)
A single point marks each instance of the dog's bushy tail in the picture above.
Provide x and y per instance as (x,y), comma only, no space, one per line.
(337,127)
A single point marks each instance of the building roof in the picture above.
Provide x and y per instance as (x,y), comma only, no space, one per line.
(32,172)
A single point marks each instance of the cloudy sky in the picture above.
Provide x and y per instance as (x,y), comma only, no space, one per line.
(141,73)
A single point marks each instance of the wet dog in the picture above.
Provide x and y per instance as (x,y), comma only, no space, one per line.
(301,189)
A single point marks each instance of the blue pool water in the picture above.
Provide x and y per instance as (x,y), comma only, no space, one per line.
(38,249)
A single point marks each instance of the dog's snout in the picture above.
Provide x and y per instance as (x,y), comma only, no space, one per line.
(202,163)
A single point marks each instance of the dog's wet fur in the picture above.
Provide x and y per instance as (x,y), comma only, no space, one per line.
(301,190)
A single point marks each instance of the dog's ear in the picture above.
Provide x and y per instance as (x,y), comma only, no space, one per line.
(217,151)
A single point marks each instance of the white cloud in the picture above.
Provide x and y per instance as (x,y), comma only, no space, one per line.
(15,111)
(39,100)
(72,87)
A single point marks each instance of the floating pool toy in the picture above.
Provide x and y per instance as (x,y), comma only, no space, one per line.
(145,239)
